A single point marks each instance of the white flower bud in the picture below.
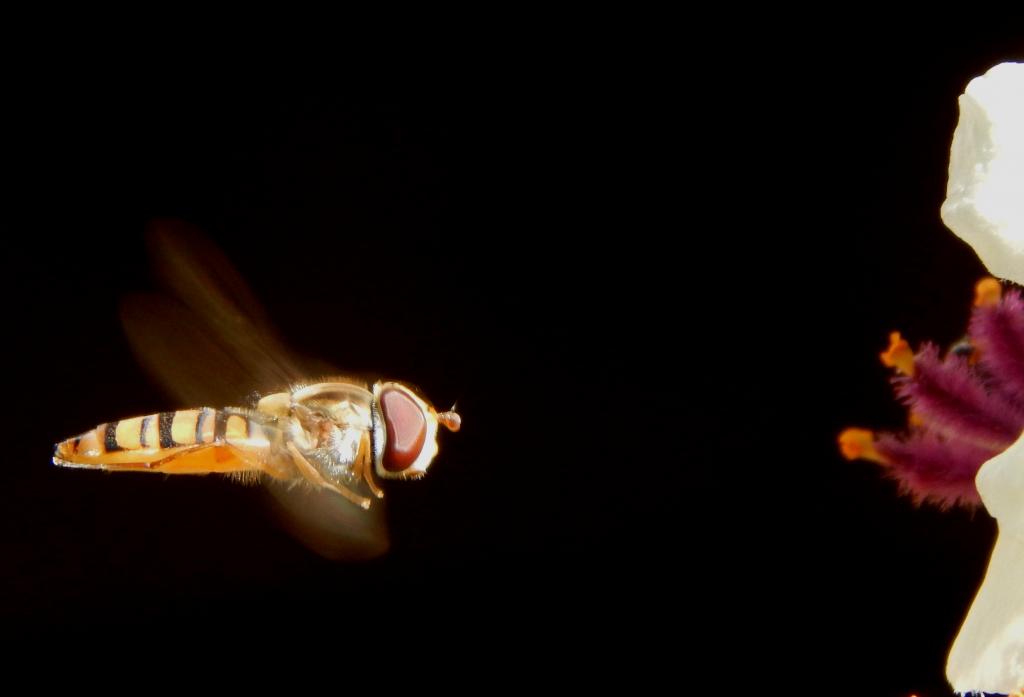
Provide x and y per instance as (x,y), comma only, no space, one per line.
(985,195)
(988,654)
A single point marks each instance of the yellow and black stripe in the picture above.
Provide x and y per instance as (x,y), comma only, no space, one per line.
(143,441)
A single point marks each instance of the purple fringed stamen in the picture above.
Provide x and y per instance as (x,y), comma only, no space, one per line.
(949,396)
(998,333)
(967,407)
(932,468)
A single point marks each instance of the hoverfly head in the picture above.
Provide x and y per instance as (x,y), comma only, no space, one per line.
(405,427)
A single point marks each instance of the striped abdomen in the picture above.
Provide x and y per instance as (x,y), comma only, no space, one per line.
(186,441)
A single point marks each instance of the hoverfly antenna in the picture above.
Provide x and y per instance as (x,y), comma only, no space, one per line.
(450,419)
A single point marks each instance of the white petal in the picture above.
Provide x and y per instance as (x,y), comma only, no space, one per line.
(985,195)
(988,654)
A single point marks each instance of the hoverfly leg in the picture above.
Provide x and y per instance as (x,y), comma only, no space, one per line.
(276,470)
(365,471)
(259,462)
(316,479)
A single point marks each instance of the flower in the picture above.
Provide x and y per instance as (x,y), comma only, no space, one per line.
(985,206)
(964,443)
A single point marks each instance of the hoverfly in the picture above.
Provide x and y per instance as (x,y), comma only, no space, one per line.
(332,436)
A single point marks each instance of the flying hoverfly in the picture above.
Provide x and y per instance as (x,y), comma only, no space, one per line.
(326,440)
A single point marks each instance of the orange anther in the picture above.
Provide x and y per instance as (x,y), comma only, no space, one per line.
(898,355)
(859,444)
(987,292)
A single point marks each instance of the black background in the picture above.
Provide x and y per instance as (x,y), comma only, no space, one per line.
(655,276)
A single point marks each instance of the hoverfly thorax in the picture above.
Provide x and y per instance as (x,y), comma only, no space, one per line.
(405,428)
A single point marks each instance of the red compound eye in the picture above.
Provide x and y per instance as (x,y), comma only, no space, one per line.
(406,428)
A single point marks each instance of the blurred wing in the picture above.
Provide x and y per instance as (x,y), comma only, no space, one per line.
(208,343)
(215,306)
(184,355)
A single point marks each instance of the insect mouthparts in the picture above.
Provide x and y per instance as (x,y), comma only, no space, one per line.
(450,420)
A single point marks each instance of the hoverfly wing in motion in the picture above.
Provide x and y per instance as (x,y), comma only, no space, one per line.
(202,278)
(207,342)
(179,351)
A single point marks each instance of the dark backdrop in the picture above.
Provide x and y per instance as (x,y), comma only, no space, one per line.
(659,272)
